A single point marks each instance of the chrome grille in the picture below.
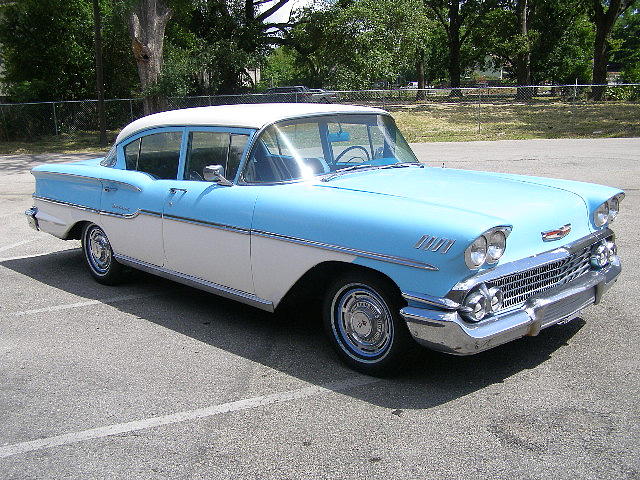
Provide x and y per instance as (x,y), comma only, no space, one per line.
(518,287)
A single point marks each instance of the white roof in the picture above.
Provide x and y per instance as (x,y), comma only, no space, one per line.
(244,116)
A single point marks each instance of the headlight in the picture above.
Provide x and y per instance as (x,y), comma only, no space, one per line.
(614,206)
(481,302)
(476,253)
(496,245)
(487,248)
(601,215)
(606,212)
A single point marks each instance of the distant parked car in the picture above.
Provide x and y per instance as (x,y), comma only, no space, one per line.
(300,93)
(261,202)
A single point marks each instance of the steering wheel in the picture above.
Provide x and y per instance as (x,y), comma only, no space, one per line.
(353,147)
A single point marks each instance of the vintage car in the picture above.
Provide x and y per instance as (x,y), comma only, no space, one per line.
(259,203)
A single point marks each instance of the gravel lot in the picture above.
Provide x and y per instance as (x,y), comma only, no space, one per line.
(219,390)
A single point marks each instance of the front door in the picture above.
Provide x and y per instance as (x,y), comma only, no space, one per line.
(206,226)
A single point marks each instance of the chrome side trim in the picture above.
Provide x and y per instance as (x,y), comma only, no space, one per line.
(221,290)
(351,251)
(459,290)
(244,231)
(430,301)
(133,187)
(97,211)
(220,226)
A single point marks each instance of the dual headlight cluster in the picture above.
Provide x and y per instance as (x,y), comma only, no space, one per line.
(487,248)
(480,302)
(606,212)
(602,253)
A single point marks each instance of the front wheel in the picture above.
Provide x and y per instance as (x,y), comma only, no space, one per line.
(98,256)
(362,319)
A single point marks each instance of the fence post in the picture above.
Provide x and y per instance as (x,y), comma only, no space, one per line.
(479,102)
(55,118)
(131,108)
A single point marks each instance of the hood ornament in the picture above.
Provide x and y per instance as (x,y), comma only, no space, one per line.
(556,234)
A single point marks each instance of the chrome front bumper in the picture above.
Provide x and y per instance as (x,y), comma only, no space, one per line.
(446,331)
(31,217)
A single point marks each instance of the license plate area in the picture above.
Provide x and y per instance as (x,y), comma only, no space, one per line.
(566,309)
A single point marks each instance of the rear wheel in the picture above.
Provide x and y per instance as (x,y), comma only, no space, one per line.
(362,319)
(98,255)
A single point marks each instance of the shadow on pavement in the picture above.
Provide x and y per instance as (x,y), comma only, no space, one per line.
(294,343)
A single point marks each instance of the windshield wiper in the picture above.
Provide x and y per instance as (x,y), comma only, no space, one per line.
(337,173)
(403,164)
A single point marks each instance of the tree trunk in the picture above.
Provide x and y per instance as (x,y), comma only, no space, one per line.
(604,21)
(523,59)
(454,47)
(147,23)
(420,73)
(102,140)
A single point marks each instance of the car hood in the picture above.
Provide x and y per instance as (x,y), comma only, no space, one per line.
(530,205)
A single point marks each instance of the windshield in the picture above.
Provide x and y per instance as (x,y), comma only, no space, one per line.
(304,148)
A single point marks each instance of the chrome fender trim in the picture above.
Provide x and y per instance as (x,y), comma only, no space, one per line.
(351,251)
(223,291)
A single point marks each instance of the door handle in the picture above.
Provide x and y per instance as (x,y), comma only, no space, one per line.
(110,189)
(173,190)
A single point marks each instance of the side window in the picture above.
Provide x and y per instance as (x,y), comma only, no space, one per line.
(205,148)
(131,152)
(214,148)
(236,148)
(158,155)
(110,159)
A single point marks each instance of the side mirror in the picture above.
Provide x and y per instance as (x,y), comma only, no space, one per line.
(215,173)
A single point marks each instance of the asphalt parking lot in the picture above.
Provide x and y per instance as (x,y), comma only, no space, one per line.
(155,380)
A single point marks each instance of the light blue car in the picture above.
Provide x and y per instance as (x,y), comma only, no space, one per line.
(270,203)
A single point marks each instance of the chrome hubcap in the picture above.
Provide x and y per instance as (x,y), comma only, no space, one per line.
(98,250)
(362,321)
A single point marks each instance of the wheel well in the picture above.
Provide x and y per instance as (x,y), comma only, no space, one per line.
(75,232)
(306,288)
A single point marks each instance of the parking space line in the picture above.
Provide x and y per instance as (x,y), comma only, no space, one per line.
(184,416)
(87,303)
(23,257)
(17,244)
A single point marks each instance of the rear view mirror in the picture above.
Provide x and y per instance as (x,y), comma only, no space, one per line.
(339,137)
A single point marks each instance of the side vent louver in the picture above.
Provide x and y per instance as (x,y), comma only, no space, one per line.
(429,243)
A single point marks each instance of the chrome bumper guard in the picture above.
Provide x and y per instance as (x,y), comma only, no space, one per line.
(31,217)
(446,331)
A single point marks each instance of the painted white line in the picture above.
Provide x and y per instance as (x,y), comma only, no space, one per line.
(13,245)
(67,306)
(184,416)
(22,257)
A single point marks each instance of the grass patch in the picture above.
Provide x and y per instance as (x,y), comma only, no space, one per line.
(441,122)
(64,143)
(459,122)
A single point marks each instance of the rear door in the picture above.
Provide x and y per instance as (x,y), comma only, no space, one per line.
(149,165)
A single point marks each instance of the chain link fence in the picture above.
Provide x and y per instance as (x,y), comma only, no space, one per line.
(427,114)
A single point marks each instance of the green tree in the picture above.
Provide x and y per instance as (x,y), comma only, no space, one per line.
(554,46)
(626,37)
(358,44)
(604,14)
(460,20)
(48,53)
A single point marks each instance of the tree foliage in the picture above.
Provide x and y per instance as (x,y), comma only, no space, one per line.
(47,50)
(351,45)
